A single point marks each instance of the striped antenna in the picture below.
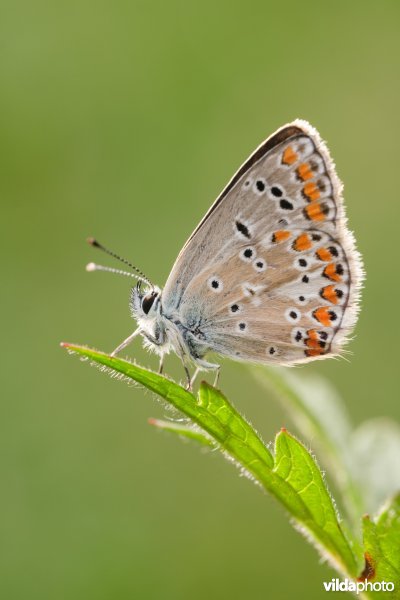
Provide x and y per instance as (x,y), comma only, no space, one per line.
(93,267)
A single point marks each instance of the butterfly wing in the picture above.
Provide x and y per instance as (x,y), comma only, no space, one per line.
(272,273)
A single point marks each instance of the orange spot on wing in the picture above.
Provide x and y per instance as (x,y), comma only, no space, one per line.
(324,254)
(303,242)
(311,191)
(315,347)
(313,334)
(289,156)
(330,272)
(304,172)
(322,315)
(315,211)
(312,343)
(280,236)
(314,352)
(329,293)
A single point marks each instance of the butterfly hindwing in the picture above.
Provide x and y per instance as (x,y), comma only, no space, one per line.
(271,273)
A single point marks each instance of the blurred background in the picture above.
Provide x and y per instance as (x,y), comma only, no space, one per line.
(124,120)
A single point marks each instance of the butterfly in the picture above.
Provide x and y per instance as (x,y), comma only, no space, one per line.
(270,275)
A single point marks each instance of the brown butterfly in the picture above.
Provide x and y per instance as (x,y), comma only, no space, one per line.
(270,275)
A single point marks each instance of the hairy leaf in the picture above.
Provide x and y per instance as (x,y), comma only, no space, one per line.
(292,476)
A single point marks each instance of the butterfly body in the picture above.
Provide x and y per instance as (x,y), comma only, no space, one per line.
(271,274)
(164,332)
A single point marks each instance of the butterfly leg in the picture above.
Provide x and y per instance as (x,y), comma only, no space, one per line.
(189,385)
(161,365)
(125,343)
(218,371)
(197,371)
(204,365)
(184,358)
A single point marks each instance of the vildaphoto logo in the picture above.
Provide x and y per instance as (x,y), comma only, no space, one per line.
(348,585)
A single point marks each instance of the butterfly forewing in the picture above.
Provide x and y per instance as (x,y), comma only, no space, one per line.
(271,273)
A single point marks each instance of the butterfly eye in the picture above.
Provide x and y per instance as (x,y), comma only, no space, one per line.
(148,302)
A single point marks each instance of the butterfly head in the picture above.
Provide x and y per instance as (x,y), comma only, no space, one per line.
(146,309)
(145,304)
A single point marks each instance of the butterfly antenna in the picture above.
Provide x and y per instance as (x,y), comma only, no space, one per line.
(92,267)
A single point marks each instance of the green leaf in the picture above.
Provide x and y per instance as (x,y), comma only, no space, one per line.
(365,462)
(185,431)
(238,438)
(319,414)
(388,531)
(297,467)
(293,477)
(210,410)
(382,547)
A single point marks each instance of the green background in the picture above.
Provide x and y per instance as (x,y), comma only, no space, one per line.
(124,120)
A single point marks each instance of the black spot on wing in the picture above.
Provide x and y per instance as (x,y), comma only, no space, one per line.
(241,227)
